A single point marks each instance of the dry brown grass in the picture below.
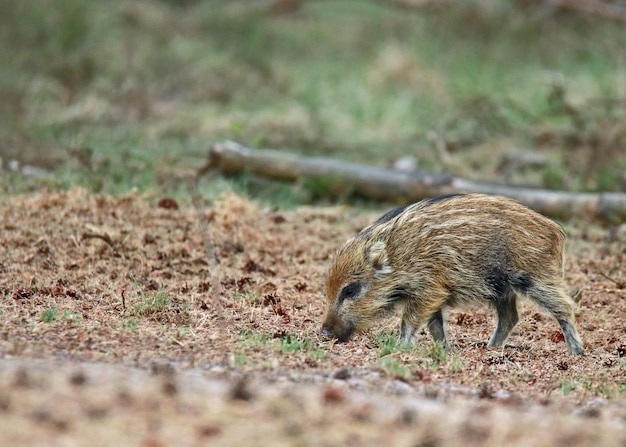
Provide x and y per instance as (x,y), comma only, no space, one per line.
(118,290)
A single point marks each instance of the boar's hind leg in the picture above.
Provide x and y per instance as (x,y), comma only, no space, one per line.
(435,326)
(506,308)
(555,300)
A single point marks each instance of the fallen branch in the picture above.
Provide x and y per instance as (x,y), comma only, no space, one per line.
(598,8)
(421,4)
(602,9)
(397,186)
(93,232)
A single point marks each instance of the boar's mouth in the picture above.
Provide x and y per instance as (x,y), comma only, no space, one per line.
(333,328)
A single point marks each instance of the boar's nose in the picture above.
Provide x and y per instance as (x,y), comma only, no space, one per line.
(326,333)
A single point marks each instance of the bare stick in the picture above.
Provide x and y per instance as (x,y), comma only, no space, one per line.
(397,186)
(102,236)
(216,280)
(92,232)
(605,10)
(598,8)
(619,284)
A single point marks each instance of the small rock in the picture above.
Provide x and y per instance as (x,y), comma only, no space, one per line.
(208,431)
(333,395)
(162,368)
(167,203)
(22,379)
(362,413)
(240,390)
(408,416)
(169,387)
(406,164)
(342,374)
(78,378)
(484,391)
(592,409)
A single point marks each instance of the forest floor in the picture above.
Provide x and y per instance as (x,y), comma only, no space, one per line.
(112,335)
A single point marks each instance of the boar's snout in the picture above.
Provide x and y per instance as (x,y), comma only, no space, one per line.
(333,327)
(326,333)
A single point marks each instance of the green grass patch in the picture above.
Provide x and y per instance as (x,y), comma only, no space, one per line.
(71,317)
(239,359)
(433,352)
(159,306)
(117,96)
(130,323)
(566,386)
(183,332)
(437,353)
(388,343)
(152,304)
(49,315)
(395,368)
(455,363)
(253,339)
(248,295)
(292,344)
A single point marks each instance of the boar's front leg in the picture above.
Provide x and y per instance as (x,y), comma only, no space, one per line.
(415,316)
(406,333)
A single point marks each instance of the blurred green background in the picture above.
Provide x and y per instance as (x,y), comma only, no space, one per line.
(114,95)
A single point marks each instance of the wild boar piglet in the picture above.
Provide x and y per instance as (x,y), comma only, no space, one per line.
(444,252)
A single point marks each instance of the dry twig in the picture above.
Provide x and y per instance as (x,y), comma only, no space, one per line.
(619,284)
(216,280)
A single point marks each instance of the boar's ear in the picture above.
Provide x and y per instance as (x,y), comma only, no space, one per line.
(377,257)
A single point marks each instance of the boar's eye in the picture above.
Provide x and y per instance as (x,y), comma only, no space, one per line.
(350,291)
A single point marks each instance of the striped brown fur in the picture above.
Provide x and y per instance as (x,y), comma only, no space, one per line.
(447,251)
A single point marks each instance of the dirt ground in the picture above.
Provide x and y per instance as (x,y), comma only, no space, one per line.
(112,334)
